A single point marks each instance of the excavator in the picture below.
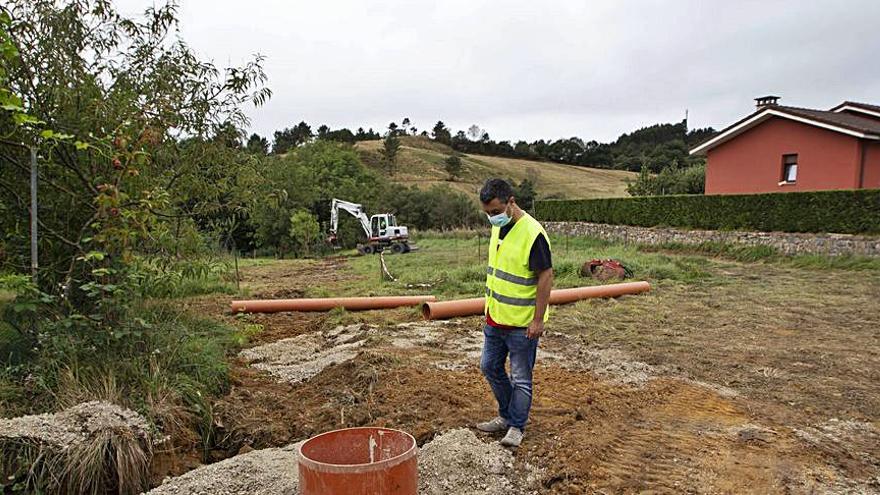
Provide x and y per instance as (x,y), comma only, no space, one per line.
(382,230)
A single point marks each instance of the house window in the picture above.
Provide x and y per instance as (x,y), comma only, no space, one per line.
(789,168)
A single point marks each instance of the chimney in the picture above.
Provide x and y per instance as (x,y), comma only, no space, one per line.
(766,101)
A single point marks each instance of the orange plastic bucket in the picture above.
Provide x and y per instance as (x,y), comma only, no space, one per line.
(359,461)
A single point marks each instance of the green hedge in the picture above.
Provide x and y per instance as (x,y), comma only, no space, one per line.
(852,212)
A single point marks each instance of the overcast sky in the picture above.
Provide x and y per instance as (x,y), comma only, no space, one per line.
(539,69)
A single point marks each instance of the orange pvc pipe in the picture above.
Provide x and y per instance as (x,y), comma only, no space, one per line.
(359,461)
(443,310)
(468,307)
(326,304)
(566,296)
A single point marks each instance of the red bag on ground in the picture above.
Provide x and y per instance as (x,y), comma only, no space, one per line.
(605,270)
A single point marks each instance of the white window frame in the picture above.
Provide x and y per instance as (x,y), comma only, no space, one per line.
(788,166)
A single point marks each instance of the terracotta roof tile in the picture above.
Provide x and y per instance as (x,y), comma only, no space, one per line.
(845,120)
(866,106)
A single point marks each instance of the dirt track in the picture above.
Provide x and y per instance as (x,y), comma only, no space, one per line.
(661,409)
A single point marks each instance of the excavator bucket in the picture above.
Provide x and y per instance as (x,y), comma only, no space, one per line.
(333,241)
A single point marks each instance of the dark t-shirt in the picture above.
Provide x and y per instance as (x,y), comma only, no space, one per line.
(539,260)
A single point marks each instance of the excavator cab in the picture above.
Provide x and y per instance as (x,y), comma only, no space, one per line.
(381,225)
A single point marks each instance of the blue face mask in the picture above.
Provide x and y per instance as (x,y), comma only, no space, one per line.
(499,220)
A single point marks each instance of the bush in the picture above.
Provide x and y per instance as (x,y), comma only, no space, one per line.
(670,180)
(850,212)
(453,167)
(170,277)
(304,231)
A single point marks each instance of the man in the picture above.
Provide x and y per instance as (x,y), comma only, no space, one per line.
(518,282)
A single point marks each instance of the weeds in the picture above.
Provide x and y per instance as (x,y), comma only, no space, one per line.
(93,448)
(169,373)
(159,277)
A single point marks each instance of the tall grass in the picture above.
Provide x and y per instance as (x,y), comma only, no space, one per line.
(106,450)
(168,367)
(170,277)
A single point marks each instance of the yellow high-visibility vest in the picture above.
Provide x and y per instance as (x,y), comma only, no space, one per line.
(511,287)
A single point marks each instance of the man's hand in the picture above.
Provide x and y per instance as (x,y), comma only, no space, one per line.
(536,329)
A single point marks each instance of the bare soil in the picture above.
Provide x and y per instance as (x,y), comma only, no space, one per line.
(760,381)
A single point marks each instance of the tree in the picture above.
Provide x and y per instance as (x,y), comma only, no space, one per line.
(306,179)
(117,167)
(342,135)
(474,132)
(438,207)
(453,167)
(389,152)
(441,133)
(304,231)
(290,138)
(228,135)
(404,125)
(524,193)
(392,129)
(257,145)
(323,131)
(522,148)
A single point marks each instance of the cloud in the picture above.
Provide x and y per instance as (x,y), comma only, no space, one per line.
(526,69)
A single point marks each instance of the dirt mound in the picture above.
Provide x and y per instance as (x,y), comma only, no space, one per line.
(91,446)
(68,428)
(459,463)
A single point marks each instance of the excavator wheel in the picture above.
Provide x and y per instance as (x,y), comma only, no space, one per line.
(406,248)
(398,248)
(367,250)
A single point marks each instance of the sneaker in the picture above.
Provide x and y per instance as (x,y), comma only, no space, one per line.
(513,438)
(494,426)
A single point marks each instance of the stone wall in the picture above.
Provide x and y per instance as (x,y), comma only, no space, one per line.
(789,243)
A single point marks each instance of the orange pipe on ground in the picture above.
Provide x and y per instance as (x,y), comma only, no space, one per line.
(565,296)
(326,304)
(443,310)
(468,307)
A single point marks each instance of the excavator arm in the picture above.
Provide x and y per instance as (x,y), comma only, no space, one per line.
(354,209)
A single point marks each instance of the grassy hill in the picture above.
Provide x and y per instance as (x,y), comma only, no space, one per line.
(420,163)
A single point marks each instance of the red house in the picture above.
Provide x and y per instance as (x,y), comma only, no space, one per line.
(780,149)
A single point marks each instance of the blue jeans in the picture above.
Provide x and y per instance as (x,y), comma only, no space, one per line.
(513,393)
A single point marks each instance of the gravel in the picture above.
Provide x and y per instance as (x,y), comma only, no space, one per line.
(265,471)
(69,428)
(298,359)
(78,449)
(457,462)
